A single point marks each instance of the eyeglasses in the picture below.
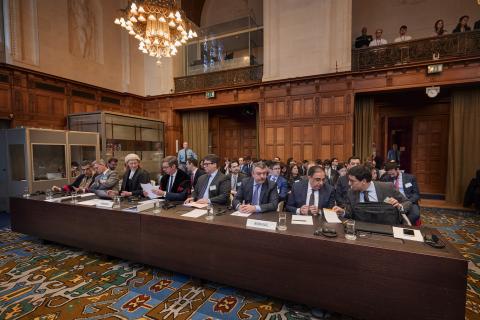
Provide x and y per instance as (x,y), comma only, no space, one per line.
(207,163)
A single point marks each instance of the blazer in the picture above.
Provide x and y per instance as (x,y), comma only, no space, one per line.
(246,169)
(181,186)
(383,190)
(282,187)
(341,190)
(110,181)
(298,197)
(140,176)
(219,190)
(332,179)
(76,183)
(268,195)
(198,174)
(240,178)
(410,186)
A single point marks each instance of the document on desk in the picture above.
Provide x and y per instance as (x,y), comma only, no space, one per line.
(92,202)
(147,187)
(83,195)
(400,234)
(196,205)
(104,203)
(331,216)
(299,219)
(195,213)
(240,214)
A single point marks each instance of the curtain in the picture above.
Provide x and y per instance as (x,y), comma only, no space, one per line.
(195,131)
(363,127)
(463,142)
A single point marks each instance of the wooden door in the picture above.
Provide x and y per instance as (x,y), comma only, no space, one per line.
(430,147)
(237,138)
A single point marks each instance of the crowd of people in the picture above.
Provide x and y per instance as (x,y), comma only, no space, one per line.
(365,40)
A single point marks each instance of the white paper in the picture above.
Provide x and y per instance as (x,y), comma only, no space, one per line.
(151,201)
(92,202)
(196,205)
(147,187)
(145,206)
(398,233)
(260,224)
(331,216)
(299,219)
(195,213)
(240,214)
(104,203)
(83,195)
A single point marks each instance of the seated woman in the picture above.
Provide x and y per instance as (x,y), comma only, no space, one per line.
(82,182)
(132,178)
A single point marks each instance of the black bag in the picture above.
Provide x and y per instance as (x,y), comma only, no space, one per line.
(376,212)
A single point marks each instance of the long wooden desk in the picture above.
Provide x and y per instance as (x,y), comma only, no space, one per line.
(377,277)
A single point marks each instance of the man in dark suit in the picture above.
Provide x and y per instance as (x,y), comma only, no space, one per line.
(342,186)
(194,171)
(282,184)
(212,187)
(246,165)
(235,176)
(406,184)
(132,179)
(175,184)
(257,193)
(82,182)
(310,195)
(330,173)
(363,189)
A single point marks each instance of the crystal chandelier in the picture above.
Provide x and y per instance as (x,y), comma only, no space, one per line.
(159,25)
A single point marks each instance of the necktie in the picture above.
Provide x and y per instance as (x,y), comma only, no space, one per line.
(311,201)
(365,196)
(255,194)
(170,183)
(185,155)
(397,183)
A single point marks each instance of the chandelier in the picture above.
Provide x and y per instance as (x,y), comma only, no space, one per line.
(159,26)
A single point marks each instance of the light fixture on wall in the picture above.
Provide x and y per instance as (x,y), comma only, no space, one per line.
(160,26)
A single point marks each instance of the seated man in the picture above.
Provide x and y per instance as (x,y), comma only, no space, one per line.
(309,196)
(106,179)
(342,186)
(406,184)
(82,182)
(212,187)
(132,178)
(194,171)
(235,176)
(363,189)
(282,184)
(257,193)
(175,184)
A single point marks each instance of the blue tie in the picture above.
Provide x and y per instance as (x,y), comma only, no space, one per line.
(255,194)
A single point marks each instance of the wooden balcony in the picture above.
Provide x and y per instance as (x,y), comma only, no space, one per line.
(452,46)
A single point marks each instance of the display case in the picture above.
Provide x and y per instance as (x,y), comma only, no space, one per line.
(122,134)
(37,159)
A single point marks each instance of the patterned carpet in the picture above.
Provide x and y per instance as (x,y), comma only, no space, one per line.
(40,281)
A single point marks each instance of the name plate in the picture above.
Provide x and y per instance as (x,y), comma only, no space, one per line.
(145,206)
(260,224)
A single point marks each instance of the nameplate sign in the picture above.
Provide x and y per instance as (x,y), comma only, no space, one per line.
(145,206)
(260,224)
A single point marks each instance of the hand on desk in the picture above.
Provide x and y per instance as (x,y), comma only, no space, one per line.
(158,192)
(339,211)
(305,210)
(247,208)
(126,194)
(112,193)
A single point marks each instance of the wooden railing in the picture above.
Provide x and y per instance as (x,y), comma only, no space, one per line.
(219,79)
(457,45)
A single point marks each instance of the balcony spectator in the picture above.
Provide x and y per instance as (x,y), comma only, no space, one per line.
(403,35)
(439,28)
(462,25)
(364,40)
(378,41)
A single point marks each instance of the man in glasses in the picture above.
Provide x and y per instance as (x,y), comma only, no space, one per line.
(82,182)
(175,184)
(310,195)
(212,187)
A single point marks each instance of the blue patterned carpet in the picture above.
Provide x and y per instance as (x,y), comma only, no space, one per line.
(40,281)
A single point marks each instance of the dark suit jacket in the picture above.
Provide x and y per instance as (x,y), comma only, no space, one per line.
(247,169)
(341,190)
(282,187)
(383,189)
(198,174)
(476,26)
(220,195)
(410,186)
(332,179)
(240,178)
(76,183)
(180,189)
(298,197)
(140,176)
(268,195)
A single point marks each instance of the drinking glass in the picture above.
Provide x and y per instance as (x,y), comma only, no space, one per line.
(350,230)
(73,195)
(156,207)
(48,194)
(116,202)
(209,215)
(26,193)
(282,221)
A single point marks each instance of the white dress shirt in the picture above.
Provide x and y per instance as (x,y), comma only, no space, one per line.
(403,38)
(372,194)
(307,200)
(378,42)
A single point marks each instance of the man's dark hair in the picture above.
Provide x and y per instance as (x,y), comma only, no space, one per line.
(193,161)
(360,173)
(314,169)
(327,162)
(391,165)
(272,164)
(334,158)
(247,158)
(213,158)
(318,162)
(353,158)
(234,161)
(86,163)
(403,27)
(112,160)
(171,160)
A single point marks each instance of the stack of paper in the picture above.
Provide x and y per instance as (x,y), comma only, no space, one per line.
(196,205)
(331,216)
(299,219)
(240,214)
(195,213)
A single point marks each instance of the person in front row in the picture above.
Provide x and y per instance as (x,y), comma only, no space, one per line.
(310,196)
(132,178)
(82,182)
(363,189)
(257,193)
(106,179)
(194,171)
(175,184)
(212,187)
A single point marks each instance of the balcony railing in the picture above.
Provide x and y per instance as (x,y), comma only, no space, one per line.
(457,45)
(220,79)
